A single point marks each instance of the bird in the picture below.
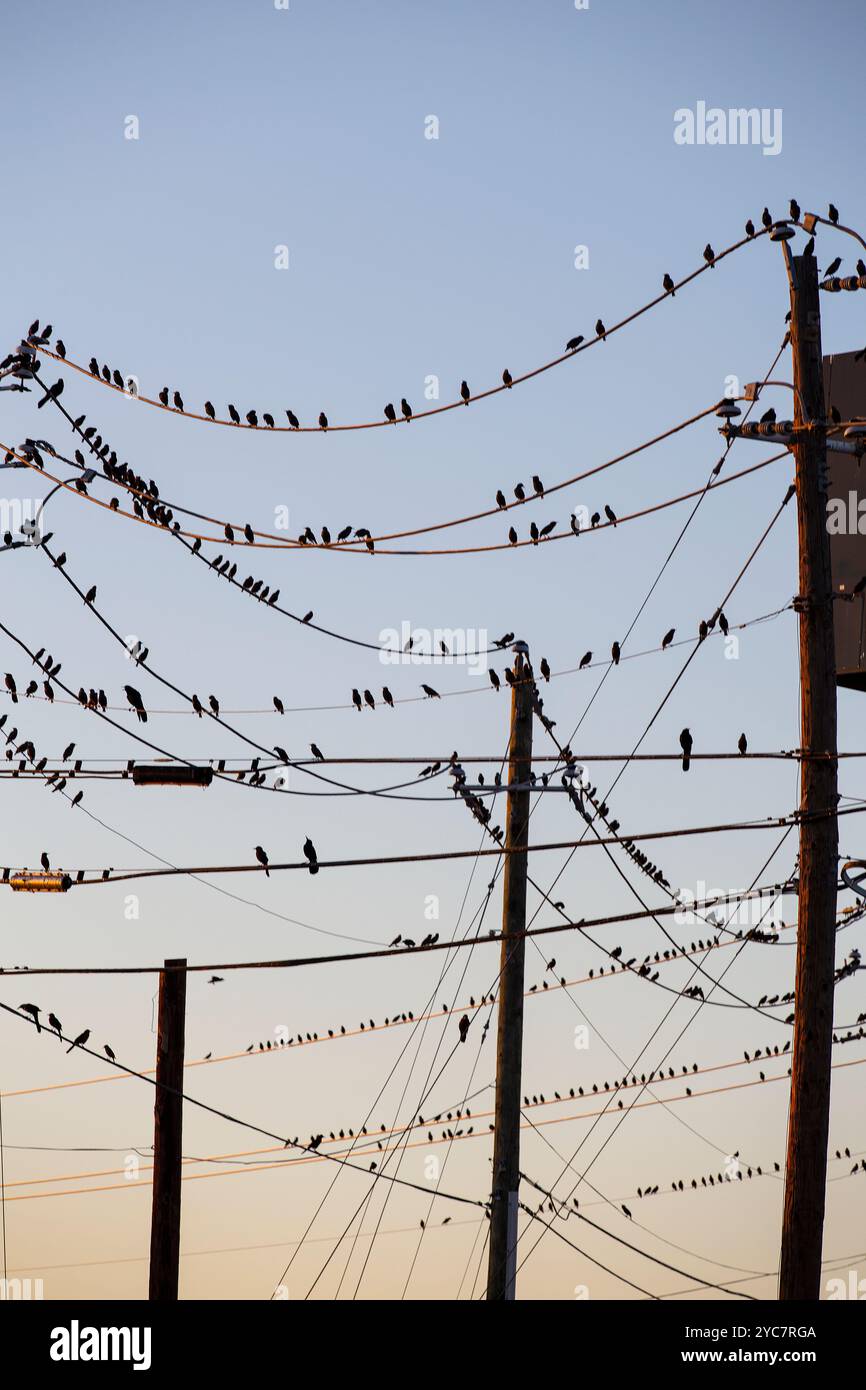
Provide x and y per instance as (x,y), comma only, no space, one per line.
(861,267)
(323,421)
(600,330)
(766,219)
(668,284)
(263,860)
(507,378)
(109,1052)
(209,410)
(585,660)
(293,420)
(668,637)
(723,624)
(545,668)
(163,395)
(216,980)
(44,861)
(356,699)
(795,210)
(709,255)
(311,856)
(538,485)
(387,696)
(368,699)
(626,1210)
(463,1027)
(768,417)
(214,704)
(512,535)
(54,1022)
(610,514)
(406,409)
(430,692)
(33,1011)
(574,343)
(12,688)
(178,401)
(80,1040)
(317,752)
(465,393)
(742,743)
(686,745)
(833,214)
(615,653)
(135,701)
(390,413)
(51,394)
(278,705)
(833,266)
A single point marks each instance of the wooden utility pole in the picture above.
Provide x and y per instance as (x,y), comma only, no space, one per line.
(502,1260)
(808,1127)
(167,1134)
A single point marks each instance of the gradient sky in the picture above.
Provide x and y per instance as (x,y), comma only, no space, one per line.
(409,258)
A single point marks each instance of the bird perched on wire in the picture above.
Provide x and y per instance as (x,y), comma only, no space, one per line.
(390,413)
(430,692)
(610,514)
(833,214)
(833,266)
(686,742)
(80,1040)
(600,330)
(668,284)
(463,1027)
(574,343)
(178,401)
(54,1022)
(311,856)
(323,421)
(33,1011)
(263,860)
(109,1052)
(668,637)
(293,420)
(317,752)
(615,653)
(585,660)
(742,743)
(406,409)
(507,378)
(709,255)
(136,702)
(465,393)
(387,696)
(52,393)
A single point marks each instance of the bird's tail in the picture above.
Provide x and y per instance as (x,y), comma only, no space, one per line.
(687,762)
(314,868)
(70,1047)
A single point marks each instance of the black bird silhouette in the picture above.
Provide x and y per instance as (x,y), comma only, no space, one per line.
(387,696)
(163,395)
(135,700)
(293,420)
(723,624)
(44,861)
(600,330)
(430,692)
(861,267)
(252,419)
(833,214)
(278,705)
(750,228)
(668,284)
(233,414)
(574,343)
(406,409)
(709,255)
(33,1011)
(356,700)
(80,1040)
(742,743)
(668,637)
(54,1022)
(537,485)
(368,699)
(795,210)
(263,860)
(51,394)
(12,688)
(610,514)
(323,420)
(216,980)
(626,1210)
(585,660)
(512,535)
(615,653)
(317,752)
(209,410)
(833,267)
(507,378)
(390,413)
(109,1052)
(178,400)
(463,1027)
(500,499)
(686,742)
(465,393)
(311,856)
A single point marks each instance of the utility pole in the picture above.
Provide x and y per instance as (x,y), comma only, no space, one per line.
(502,1260)
(167,1132)
(806,1168)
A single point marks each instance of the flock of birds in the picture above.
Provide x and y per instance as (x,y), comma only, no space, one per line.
(57,1027)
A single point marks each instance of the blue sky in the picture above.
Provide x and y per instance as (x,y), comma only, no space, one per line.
(408,258)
